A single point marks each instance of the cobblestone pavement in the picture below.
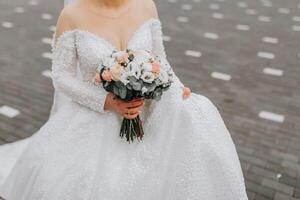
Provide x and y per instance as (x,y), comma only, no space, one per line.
(243,55)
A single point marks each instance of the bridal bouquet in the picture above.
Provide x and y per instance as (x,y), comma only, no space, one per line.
(132,75)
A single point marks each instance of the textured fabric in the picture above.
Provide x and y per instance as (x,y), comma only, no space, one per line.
(186,154)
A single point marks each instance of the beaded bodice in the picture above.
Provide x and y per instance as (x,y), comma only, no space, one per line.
(77,53)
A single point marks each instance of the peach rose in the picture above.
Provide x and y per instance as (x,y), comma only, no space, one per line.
(186,92)
(124,58)
(106,76)
(97,79)
(155,68)
(116,71)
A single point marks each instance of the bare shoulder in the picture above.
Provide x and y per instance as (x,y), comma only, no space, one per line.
(150,8)
(66,20)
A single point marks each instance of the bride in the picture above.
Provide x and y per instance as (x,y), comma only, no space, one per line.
(186,152)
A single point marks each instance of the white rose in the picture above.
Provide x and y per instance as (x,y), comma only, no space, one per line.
(148,77)
(135,69)
(147,67)
(125,77)
(163,77)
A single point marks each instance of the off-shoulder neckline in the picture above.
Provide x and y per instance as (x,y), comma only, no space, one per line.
(102,39)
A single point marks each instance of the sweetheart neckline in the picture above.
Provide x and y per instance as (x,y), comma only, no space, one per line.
(102,39)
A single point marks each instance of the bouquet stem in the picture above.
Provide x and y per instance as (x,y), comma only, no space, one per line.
(132,129)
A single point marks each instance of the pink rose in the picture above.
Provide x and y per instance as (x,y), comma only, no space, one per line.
(106,76)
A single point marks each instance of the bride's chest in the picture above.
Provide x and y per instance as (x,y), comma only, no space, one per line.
(91,48)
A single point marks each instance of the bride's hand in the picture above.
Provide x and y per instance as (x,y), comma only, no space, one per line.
(127,109)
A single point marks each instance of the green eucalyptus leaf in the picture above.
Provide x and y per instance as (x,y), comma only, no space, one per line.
(137,86)
(123,92)
(116,90)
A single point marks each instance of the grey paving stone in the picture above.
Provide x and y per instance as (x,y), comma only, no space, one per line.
(278,186)
(264,172)
(291,165)
(297,193)
(294,182)
(260,189)
(260,197)
(251,195)
(285,156)
(280,196)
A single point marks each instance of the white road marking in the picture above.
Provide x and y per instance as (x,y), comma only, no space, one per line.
(266,55)
(264,18)
(214,6)
(7,24)
(284,10)
(242,27)
(251,11)
(52,28)
(33,2)
(19,10)
(47,55)
(273,72)
(46,16)
(212,36)
(296,18)
(47,40)
(186,7)
(218,15)
(221,76)
(270,40)
(271,116)
(296,28)
(9,111)
(242,4)
(47,73)
(182,19)
(193,53)
(267,3)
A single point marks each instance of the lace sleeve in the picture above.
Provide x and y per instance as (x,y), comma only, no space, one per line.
(64,75)
(158,48)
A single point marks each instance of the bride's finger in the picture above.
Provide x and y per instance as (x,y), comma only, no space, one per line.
(134,110)
(130,112)
(137,106)
(134,104)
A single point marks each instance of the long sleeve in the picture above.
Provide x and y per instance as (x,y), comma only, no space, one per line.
(158,48)
(64,75)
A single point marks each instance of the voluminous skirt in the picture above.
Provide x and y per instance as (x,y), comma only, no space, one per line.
(186,154)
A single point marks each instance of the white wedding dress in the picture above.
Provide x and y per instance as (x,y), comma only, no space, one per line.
(186,153)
